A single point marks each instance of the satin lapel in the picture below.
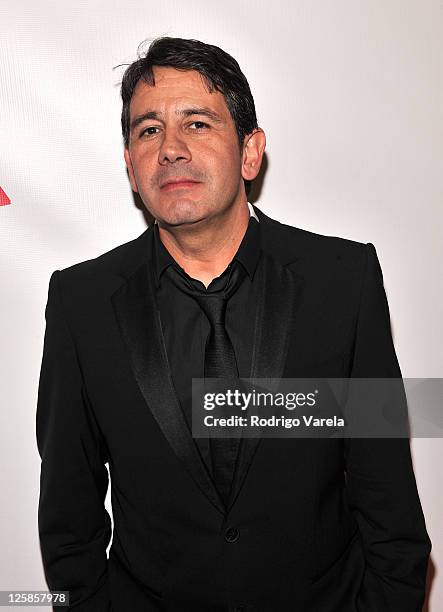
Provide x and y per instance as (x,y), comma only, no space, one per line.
(136,311)
(274,324)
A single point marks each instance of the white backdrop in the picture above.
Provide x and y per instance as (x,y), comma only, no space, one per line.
(349,94)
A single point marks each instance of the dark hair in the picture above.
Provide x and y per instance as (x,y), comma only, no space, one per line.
(219,69)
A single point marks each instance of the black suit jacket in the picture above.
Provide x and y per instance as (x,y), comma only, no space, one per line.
(325,525)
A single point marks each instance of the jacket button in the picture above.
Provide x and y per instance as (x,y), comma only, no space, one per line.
(231,534)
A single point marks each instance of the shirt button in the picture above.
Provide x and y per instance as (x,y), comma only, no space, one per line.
(231,534)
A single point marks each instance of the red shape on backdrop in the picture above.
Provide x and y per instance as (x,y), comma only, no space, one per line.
(4,198)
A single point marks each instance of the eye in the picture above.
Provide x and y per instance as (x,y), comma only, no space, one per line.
(199,125)
(148,132)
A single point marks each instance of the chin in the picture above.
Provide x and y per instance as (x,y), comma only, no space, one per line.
(184,211)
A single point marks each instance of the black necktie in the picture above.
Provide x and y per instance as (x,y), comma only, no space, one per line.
(220,358)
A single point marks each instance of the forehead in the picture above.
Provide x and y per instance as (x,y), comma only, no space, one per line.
(175,87)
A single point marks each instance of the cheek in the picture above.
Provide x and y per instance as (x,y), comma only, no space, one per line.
(224,163)
(143,165)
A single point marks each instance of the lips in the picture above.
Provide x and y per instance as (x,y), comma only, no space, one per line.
(178,183)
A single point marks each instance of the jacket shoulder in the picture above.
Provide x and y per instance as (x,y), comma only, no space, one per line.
(304,245)
(104,272)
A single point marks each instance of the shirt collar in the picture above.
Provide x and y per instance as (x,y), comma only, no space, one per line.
(248,252)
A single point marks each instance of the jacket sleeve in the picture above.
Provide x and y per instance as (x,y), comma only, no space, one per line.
(380,480)
(74,526)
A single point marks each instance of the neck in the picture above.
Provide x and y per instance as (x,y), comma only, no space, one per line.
(205,249)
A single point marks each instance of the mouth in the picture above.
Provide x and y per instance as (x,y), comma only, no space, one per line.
(178,184)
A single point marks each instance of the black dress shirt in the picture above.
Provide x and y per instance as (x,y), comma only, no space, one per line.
(185,326)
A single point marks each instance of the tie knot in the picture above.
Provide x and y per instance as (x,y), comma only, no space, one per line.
(212,302)
(214,307)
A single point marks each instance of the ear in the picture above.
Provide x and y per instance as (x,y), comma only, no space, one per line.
(253,148)
(130,170)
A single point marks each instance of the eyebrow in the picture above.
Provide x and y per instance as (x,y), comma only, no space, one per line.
(186,112)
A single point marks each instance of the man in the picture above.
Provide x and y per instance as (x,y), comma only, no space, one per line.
(215,287)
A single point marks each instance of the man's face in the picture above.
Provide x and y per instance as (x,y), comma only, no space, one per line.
(181,132)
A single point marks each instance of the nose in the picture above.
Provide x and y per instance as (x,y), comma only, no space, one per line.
(173,148)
